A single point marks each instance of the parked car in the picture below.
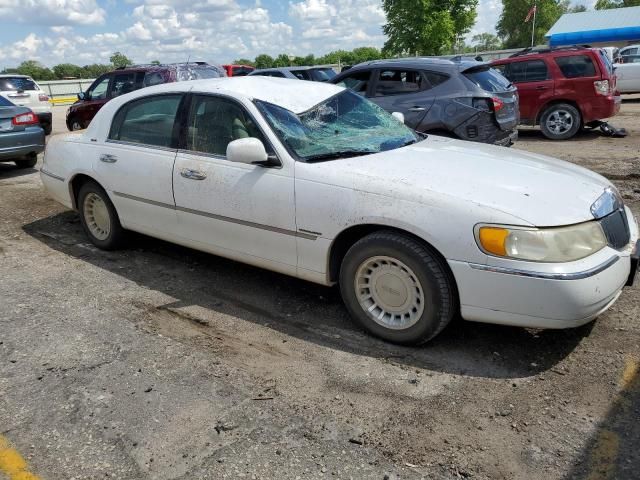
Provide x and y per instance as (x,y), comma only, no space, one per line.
(317,182)
(126,80)
(562,89)
(465,99)
(238,70)
(21,136)
(628,75)
(23,91)
(315,74)
(627,54)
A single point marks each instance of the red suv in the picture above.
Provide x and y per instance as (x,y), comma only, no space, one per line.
(238,70)
(125,80)
(562,89)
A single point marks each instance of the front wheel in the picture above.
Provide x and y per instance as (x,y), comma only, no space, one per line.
(99,217)
(560,121)
(75,124)
(397,288)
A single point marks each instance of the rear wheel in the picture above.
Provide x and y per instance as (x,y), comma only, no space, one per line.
(75,124)
(47,128)
(28,162)
(99,217)
(397,288)
(560,121)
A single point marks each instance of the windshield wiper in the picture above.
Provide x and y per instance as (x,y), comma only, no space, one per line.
(336,155)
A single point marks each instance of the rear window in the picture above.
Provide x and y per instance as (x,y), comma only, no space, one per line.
(4,102)
(322,74)
(301,74)
(575,66)
(488,79)
(14,84)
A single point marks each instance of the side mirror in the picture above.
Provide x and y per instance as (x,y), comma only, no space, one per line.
(82,96)
(247,150)
(398,116)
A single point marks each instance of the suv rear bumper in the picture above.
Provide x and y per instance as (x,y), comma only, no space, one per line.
(601,107)
(483,128)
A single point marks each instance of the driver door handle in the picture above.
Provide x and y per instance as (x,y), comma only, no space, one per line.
(192,174)
(108,158)
(417,109)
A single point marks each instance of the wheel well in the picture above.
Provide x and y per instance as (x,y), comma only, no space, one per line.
(347,238)
(555,102)
(75,185)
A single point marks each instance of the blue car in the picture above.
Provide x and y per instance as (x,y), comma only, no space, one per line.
(21,136)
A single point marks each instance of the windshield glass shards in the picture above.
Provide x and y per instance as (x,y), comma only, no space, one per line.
(342,126)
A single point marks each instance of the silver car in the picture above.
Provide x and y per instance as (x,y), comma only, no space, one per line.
(21,136)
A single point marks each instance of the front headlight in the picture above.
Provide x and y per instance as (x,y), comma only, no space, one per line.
(563,244)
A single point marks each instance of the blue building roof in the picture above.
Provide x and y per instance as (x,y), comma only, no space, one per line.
(599,26)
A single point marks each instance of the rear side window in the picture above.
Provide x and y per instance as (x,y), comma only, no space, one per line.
(14,84)
(322,74)
(357,81)
(489,80)
(576,66)
(152,78)
(434,78)
(124,83)
(271,74)
(301,74)
(527,71)
(397,82)
(146,121)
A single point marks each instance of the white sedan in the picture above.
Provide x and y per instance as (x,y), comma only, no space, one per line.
(316,182)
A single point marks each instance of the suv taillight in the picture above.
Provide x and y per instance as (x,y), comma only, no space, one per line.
(497,104)
(43,97)
(602,87)
(25,119)
(488,104)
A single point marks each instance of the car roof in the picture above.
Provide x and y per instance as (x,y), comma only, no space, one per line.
(289,69)
(545,52)
(290,94)
(431,63)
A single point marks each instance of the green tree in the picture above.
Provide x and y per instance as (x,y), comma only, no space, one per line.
(281,60)
(365,54)
(35,70)
(515,32)
(485,41)
(607,4)
(577,9)
(95,70)
(426,27)
(244,61)
(119,60)
(155,62)
(263,61)
(67,70)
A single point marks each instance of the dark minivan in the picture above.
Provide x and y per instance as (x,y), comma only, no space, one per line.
(465,99)
(125,80)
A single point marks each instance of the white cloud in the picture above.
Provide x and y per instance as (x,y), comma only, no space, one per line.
(52,12)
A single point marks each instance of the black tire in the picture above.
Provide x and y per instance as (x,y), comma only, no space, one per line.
(28,162)
(568,122)
(72,122)
(433,276)
(117,234)
(47,129)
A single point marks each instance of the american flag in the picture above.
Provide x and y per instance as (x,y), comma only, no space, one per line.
(530,14)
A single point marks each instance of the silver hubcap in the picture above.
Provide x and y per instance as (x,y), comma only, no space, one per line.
(76,126)
(559,122)
(96,216)
(389,292)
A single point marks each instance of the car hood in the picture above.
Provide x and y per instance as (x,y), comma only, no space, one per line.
(536,189)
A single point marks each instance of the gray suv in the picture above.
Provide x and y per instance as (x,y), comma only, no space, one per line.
(465,99)
(314,74)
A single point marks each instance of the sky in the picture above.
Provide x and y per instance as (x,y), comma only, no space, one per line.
(216,31)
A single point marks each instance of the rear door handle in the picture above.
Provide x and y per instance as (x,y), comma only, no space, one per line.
(108,158)
(417,109)
(192,174)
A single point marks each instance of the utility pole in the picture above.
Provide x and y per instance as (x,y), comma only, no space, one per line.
(533,26)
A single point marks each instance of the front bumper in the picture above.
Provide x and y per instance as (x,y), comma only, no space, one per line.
(15,145)
(546,295)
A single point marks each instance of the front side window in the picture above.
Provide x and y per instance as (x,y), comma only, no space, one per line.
(528,71)
(344,125)
(98,91)
(214,122)
(397,82)
(322,74)
(576,66)
(357,81)
(146,121)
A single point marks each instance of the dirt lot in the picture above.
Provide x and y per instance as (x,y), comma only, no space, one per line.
(160,362)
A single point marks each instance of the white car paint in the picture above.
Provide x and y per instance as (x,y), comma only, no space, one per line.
(287,219)
(628,77)
(28,98)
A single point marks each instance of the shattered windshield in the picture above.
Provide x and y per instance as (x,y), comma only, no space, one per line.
(341,126)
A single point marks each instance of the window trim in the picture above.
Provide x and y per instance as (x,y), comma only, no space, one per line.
(184,113)
(374,83)
(172,147)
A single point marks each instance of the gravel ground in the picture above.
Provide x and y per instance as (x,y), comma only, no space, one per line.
(160,362)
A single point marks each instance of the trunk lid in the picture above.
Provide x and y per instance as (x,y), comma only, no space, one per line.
(6,115)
